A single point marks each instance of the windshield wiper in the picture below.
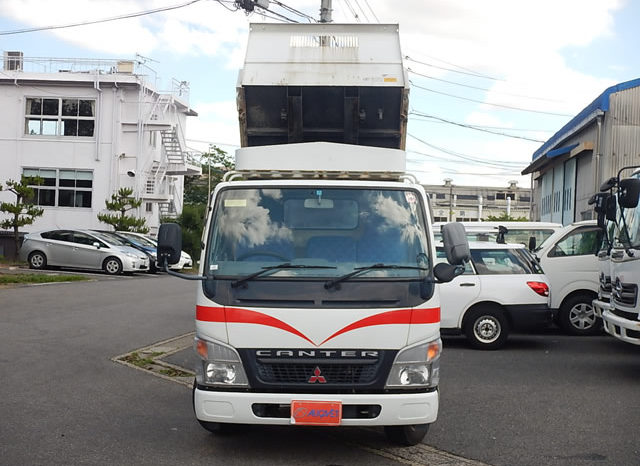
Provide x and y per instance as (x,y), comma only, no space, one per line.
(286,265)
(361,270)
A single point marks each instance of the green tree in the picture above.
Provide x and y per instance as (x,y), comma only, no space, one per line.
(22,212)
(505,218)
(216,162)
(121,202)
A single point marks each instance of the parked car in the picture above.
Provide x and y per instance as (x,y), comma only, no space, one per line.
(510,231)
(139,243)
(570,262)
(185,261)
(502,288)
(83,249)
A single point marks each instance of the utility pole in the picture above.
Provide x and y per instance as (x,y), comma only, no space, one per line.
(325,11)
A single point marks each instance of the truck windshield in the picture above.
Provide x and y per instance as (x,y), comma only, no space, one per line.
(339,229)
(632,224)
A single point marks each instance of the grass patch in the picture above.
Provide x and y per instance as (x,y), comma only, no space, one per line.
(171,372)
(143,362)
(38,278)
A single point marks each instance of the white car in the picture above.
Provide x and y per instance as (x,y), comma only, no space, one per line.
(569,260)
(502,288)
(185,261)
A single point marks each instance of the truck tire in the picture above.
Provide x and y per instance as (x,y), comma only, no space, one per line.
(577,316)
(486,328)
(406,435)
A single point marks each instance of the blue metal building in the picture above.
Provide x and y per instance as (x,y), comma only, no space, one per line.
(570,167)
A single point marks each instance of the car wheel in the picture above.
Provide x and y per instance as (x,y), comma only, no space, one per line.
(406,435)
(486,328)
(112,266)
(577,316)
(37,260)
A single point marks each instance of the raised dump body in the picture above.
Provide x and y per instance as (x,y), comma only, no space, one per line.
(323,82)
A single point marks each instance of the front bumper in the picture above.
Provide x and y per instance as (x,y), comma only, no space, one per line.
(599,306)
(236,407)
(621,328)
(530,316)
(135,264)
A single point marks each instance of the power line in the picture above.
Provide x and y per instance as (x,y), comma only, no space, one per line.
(372,12)
(364,13)
(85,23)
(294,11)
(481,88)
(353,11)
(429,119)
(463,125)
(489,103)
(474,74)
(495,163)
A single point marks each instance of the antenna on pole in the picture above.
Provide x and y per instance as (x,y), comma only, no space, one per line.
(325,11)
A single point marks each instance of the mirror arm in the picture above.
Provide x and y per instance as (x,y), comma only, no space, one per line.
(184,276)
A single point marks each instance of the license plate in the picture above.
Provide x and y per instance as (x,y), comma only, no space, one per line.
(316,413)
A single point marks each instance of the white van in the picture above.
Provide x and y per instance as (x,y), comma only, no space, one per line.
(569,260)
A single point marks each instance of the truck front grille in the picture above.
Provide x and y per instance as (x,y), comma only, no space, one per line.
(328,373)
(605,283)
(625,294)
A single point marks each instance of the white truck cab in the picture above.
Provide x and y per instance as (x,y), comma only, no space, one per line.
(318,303)
(621,315)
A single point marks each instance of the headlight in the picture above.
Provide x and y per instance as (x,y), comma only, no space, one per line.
(131,255)
(219,365)
(153,256)
(417,366)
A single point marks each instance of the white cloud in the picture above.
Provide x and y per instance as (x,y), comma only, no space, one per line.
(217,124)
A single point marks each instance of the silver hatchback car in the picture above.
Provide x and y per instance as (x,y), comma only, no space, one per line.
(82,249)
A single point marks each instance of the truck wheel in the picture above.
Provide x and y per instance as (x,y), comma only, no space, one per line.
(486,328)
(37,260)
(577,316)
(406,435)
(112,266)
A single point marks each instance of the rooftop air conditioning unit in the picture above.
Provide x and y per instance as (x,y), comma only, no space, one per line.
(125,66)
(13,61)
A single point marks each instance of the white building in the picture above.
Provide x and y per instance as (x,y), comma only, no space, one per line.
(88,128)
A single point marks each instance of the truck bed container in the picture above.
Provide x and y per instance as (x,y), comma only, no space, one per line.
(323,82)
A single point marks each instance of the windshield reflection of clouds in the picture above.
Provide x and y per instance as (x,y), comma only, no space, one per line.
(249,224)
(396,216)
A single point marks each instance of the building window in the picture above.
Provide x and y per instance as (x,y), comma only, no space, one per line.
(62,187)
(439,195)
(525,199)
(148,207)
(60,117)
(439,219)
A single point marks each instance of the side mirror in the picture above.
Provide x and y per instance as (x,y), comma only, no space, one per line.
(456,246)
(169,243)
(607,185)
(444,272)
(628,193)
(532,243)
(96,245)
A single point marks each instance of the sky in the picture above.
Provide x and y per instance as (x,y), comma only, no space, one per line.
(490,81)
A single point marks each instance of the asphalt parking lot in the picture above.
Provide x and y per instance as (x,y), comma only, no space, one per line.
(546,399)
